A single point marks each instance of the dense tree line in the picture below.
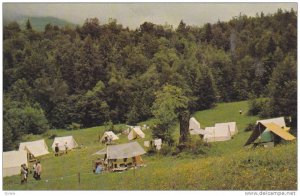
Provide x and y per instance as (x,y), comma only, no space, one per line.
(105,72)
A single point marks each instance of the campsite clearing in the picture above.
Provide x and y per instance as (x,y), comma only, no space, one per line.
(226,166)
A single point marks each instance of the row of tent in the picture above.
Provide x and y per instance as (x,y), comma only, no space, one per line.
(267,132)
(134,132)
(12,160)
(220,132)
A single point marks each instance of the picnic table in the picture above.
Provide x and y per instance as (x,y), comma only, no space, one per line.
(119,169)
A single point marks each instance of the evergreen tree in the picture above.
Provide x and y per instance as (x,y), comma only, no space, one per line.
(283,90)
(28,25)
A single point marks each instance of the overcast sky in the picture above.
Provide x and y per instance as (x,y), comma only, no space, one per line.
(134,14)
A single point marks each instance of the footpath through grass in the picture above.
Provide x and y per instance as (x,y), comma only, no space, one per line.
(227,166)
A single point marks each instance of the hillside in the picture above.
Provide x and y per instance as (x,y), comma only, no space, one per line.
(104,72)
(39,23)
(226,166)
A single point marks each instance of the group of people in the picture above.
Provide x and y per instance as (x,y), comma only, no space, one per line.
(37,170)
(56,149)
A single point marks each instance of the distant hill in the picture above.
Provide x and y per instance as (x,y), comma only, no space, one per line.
(38,23)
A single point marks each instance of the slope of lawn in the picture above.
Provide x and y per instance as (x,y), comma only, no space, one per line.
(227,166)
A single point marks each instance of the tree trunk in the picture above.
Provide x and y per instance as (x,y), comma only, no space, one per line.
(184,118)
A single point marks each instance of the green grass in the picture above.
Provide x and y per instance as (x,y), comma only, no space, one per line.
(227,166)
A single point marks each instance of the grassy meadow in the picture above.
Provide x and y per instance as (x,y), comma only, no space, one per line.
(226,166)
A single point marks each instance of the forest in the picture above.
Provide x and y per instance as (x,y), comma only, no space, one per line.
(98,73)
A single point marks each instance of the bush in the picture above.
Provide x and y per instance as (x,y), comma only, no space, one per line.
(74,126)
(197,146)
(258,107)
(255,107)
(250,127)
(52,136)
(151,151)
(167,150)
(119,129)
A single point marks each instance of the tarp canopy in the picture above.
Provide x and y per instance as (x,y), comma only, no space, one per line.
(136,132)
(61,141)
(110,135)
(100,152)
(279,131)
(127,150)
(278,121)
(36,148)
(12,162)
(121,151)
(231,125)
(260,128)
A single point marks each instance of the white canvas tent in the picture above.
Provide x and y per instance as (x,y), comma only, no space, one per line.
(231,125)
(61,141)
(194,127)
(136,132)
(278,121)
(210,134)
(110,136)
(218,133)
(36,148)
(156,142)
(12,162)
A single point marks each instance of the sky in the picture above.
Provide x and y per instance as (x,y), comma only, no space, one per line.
(135,14)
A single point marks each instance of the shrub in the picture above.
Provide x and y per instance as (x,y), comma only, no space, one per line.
(250,127)
(52,136)
(167,150)
(74,126)
(197,146)
(255,107)
(151,151)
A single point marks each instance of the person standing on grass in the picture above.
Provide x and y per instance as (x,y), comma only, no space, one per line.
(34,170)
(23,174)
(56,149)
(38,170)
(66,147)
